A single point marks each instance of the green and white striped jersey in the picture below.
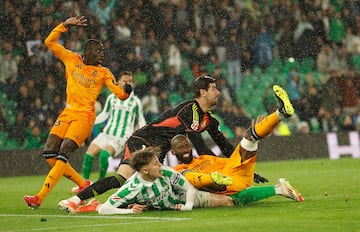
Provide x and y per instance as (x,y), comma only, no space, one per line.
(164,193)
(122,116)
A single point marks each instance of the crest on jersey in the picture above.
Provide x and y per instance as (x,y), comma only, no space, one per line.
(94,73)
(203,124)
(195,125)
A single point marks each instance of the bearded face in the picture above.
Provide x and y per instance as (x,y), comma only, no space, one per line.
(185,156)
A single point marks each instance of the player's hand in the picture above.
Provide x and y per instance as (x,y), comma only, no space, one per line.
(259,179)
(137,208)
(76,21)
(127,88)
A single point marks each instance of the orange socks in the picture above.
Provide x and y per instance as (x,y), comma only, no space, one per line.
(69,172)
(267,126)
(51,161)
(73,175)
(59,169)
(52,178)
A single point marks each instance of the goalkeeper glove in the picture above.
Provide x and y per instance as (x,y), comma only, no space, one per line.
(259,179)
(127,88)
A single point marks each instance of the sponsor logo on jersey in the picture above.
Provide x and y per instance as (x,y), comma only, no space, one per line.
(115,198)
(204,123)
(176,179)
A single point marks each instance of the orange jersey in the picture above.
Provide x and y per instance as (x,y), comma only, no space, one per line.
(204,164)
(84,82)
(241,172)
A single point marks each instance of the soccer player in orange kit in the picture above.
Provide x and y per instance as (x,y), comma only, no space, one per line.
(240,165)
(85,79)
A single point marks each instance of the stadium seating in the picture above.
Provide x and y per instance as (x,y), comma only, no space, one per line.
(356,62)
(174,99)
(188,75)
(307,65)
(3,138)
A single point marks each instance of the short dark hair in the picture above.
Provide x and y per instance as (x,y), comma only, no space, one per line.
(124,73)
(202,82)
(91,43)
(177,138)
(142,157)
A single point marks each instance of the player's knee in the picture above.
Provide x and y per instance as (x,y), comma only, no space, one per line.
(102,209)
(125,170)
(50,157)
(63,157)
(105,208)
(53,142)
(229,201)
(49,154)
(245,155)
(249,145)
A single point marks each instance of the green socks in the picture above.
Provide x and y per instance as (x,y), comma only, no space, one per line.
(252,194)
(87,165)
(103,163)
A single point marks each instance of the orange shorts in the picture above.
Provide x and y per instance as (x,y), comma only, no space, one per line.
(75,125)
(242,173)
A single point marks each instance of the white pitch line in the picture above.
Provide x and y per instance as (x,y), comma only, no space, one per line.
(94,216)
(148,219)
(83,226)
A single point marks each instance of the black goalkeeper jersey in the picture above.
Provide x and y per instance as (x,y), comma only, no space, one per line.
(186,118)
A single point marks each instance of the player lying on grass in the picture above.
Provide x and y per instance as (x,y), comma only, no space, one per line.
(240,165)
(190,117)
(158,187)
(204,171)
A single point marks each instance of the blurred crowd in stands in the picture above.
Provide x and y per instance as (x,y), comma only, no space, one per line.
(310,47)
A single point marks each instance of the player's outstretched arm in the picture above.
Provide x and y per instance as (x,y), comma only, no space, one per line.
(52,40)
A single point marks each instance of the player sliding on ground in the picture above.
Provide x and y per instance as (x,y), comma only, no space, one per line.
(158,187)
(239,167)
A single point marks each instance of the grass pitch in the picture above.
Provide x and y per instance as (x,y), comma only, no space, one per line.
(331,189)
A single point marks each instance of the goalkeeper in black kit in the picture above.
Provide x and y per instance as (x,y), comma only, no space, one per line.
(189,118)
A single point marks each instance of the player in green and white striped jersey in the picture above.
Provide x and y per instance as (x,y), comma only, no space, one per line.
(123,117)
(154,186)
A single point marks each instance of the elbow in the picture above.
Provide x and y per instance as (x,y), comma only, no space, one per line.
(229,202)
(101,209)
(47,43)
